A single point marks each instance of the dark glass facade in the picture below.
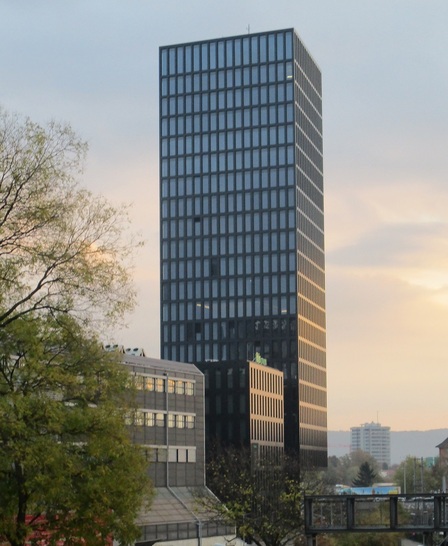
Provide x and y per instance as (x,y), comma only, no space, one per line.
(244,407)
(242,232)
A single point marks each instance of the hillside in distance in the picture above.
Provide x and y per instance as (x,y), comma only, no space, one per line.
(415,443)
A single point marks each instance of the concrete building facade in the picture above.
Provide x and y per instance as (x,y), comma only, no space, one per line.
(374,439)
(169,424)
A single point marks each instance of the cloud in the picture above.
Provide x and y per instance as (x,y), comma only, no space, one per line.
(386,352)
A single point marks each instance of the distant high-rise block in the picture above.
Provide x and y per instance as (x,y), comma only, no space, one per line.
(373,439)
(242,220)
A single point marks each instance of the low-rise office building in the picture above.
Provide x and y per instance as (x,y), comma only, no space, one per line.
(169,423)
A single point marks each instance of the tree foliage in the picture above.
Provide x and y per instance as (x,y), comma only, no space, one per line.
(264,500)
(344,470)
(66,461)
(366,539)
(67,466)
(366,476)
(414,476)
(61,248)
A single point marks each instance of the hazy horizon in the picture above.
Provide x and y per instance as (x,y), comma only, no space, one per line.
(403,443)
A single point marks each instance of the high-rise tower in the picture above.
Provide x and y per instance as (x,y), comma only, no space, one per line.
(374,439)
(242,222)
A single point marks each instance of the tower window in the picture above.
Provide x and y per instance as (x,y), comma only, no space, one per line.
(214,267)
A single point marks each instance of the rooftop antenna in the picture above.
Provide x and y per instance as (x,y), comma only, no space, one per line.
(248,29)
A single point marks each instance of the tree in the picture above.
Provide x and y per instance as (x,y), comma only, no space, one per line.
(263,500)
(414,476)
(343,470)
(366,539)
(67,464)
(366,476)
(68,469)
(62,249)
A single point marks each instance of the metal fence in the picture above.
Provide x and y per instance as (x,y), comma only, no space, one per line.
(367,513)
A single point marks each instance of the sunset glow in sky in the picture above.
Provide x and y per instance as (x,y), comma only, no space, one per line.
(94,64)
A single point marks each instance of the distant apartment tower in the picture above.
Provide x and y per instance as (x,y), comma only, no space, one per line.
(242,220)
(244,407)
(374,439)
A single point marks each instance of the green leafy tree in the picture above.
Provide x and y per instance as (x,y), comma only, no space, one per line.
(414,476)
(344,470)
(366,539)
(62,249)
(67,466)
(263,500)
(366,476)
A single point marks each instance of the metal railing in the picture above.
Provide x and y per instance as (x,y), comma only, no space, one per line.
(375,513)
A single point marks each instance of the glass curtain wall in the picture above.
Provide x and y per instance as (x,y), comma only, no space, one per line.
(242,240)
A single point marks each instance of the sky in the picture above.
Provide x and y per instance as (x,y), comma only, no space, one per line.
(94,64)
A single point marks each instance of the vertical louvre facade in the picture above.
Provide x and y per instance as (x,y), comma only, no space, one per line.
(242,232)
(244,407)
